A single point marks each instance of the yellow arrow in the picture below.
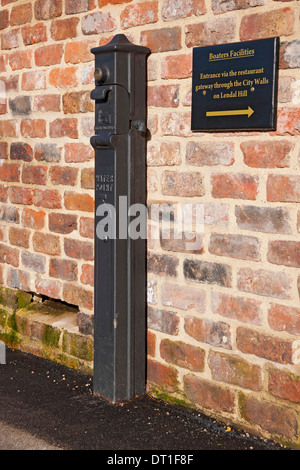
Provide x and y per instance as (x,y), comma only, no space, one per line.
(235,112)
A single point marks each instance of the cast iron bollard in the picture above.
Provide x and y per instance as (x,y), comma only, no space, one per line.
(120,262)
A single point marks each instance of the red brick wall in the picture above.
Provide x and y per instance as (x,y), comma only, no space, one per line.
(224,321)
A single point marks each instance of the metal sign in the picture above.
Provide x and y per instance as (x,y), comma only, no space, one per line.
(235,86)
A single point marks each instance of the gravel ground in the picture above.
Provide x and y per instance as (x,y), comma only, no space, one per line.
(48,406)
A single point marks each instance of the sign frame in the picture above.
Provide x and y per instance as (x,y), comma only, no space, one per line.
(235,86)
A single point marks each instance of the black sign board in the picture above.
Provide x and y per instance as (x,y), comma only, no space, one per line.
(235,86)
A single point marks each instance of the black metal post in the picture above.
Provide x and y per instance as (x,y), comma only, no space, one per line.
(120,272)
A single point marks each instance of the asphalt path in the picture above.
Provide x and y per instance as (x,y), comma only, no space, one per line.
(47,406)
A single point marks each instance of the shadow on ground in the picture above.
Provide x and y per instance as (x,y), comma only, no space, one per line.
(56,404)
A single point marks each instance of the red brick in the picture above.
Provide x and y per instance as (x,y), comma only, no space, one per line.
(139,14)
(34,174)
(237,308)
(284,318)
(163,320)
(183,355)
(9,255)
(46,243)
(207,331)
(207,394)
(207,273)
(21,14)
(63,269)
(289,54)
(47,198)
(269,416)
(151,181)
(235,246)
(87,179)
(45,103)
(62,223)
(11,83)
(3,198)
(98,22)
(268,154)
(176,67)
(47,152)
(265,346)
(78,153)
(183,297)
(163,265)
(268,24)
(87,126)
(78,6)
(263,219)
(18,279)
(48,55)
(86,227)
(234,370)
(283,188)
(33,261)
(236,186)
(8,128)
(165,96)
(178,124)
(77,102)
(20,60)
(219,6)
(162,376)
(33,219)
(34,128)
(48,288)
(10,39)
(87,275)
(64,29)
(77,52)
(87,74)
(33,80)
(79,202)
(33,34)
(182,184)
(3,63)
(66,127)
(10,172)
(19,237)
(285,385)
(9,214)
(151,291)
(285,253)
(4,19)
(163,154)
(102,3)
(288,122)
(20,195)
(162,40)
(65,175)
(189,242)
(151,344)
(3,105)
(263,282)
(47,10)
(181,9)
(79,249)
(76,295)
(208,33)
(209,153)
(21,151)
